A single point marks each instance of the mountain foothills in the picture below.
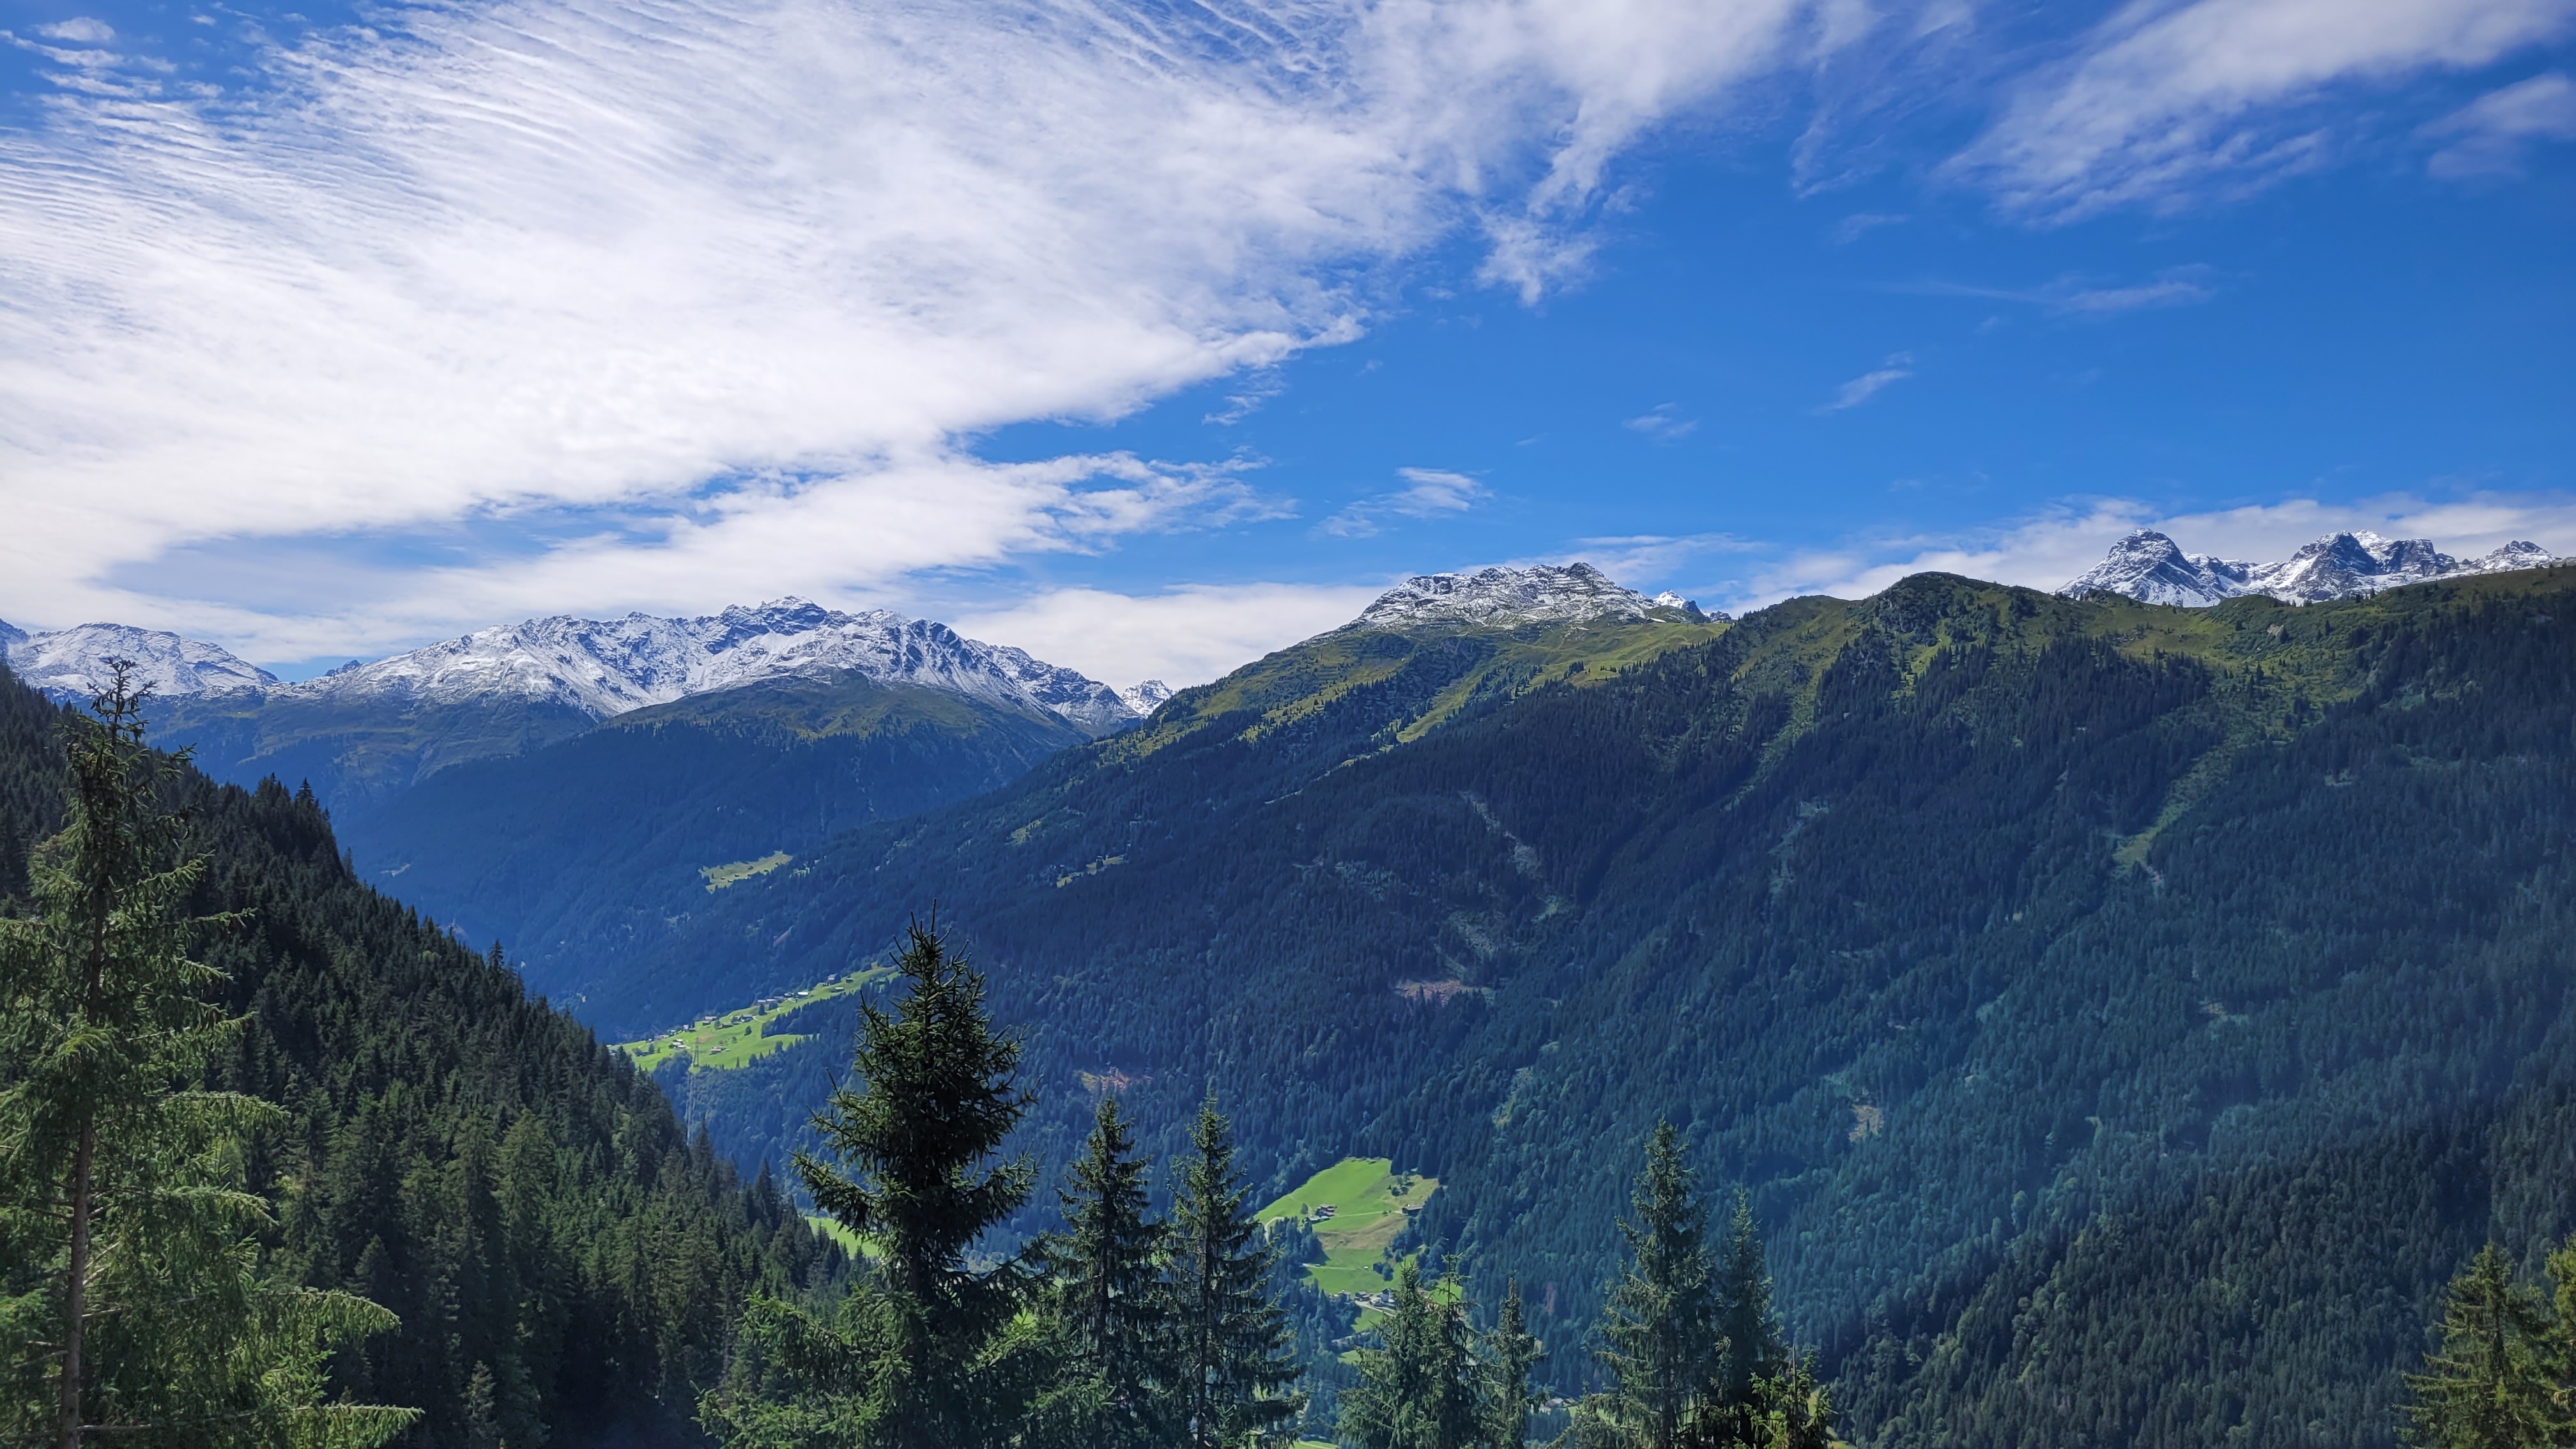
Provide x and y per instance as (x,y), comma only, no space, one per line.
(2031,961)
(380,1117)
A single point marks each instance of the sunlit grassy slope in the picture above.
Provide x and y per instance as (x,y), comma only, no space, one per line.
(735,872)
(736,1038)
(1368,1200)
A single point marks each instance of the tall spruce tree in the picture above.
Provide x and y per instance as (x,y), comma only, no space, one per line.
(1106,1271)
(2489,1384)
(132,1303)
(1419,1391)
(1511,1353)
(1231,1339)
(1662,1318)
(926,1356)
(1754,1350)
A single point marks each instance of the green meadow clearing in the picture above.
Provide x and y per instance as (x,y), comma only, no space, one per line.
(1368,1199)
(735,872)
(734,1038)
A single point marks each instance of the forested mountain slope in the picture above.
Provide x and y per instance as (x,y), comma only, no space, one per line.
(588,849)
(467,1157)
(1947,921)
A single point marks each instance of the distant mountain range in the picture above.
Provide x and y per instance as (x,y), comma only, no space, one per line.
(602,668)
(566,784)
(2151,568)
(582,851)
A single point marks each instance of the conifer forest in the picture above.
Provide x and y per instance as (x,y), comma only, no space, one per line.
(1965,1017)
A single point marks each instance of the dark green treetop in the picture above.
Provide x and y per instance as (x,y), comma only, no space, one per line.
(928,1355)
(2492,1382)
(1420,1390)
(1231,1339)
(1106,1270)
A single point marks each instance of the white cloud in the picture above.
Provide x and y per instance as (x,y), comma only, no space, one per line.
(2044,551)
(1429,493)
(1860,224)
(1183,637)
(548,255)
(2173,287)
(1649,558)
(1258,387)
(81,29)
(2493,129)
(1662,424)
(2165,102)
(1898,367)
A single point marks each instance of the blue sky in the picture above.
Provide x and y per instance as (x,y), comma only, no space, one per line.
(1151,339)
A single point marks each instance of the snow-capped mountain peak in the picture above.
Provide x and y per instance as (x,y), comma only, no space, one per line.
(1507,597)
(72,664)
(607,667)
(1146,696)
(2152,568)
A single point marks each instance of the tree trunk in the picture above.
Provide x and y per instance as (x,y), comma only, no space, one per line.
(67,1412)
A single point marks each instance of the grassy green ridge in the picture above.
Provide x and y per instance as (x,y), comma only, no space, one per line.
(725,1040)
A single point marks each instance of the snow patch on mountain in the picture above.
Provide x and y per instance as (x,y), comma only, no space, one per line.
(72,664)
(1508,597)
(2151,568)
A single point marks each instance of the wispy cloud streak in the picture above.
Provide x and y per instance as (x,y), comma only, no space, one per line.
(552,254)
(1898,367)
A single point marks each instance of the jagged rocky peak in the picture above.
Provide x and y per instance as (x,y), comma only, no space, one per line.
(2152,568)
(72,664)
(1507,597)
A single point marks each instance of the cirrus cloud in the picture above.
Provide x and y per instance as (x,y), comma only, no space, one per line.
(2164,103)
(543,255)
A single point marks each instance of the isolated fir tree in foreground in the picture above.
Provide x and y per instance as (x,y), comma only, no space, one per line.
(927,1356)
(1116,1385)
(132,1306)
(2503,1375)
(1662,1319)
(1696,1357)
(1230,1337)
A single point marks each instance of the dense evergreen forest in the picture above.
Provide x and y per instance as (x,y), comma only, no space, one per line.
(565,1265)
(1970,929)
(574,852)
(2124,1025)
